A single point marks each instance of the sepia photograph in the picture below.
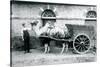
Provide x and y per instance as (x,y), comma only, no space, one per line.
(47,33)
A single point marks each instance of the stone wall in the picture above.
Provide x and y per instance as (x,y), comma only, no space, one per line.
(30,11)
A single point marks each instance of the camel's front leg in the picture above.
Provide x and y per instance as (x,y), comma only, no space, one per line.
(66,47)
(46,48)
(63,48)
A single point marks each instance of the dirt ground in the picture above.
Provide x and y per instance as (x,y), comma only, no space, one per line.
(37,57)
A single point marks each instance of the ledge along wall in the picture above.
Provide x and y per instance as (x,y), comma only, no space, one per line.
(30,11)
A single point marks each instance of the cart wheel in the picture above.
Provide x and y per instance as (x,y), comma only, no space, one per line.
(81,44)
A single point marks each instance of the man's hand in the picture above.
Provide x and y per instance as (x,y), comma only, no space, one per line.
(22,38)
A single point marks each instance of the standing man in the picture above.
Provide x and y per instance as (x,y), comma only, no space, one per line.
(26,38)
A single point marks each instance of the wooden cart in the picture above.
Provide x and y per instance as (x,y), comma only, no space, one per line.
(80,35)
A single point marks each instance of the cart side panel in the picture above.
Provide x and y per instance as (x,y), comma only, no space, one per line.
(83,29)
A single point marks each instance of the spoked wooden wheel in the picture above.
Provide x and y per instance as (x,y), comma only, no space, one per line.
(81,44)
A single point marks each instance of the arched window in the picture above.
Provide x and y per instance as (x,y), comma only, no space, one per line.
(48,13)
(91,14)
(48,16)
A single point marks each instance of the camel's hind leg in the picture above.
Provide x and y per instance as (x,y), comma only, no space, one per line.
(66,47)
(63,48)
